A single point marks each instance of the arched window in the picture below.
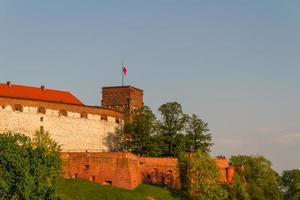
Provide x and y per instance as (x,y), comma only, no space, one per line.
(84,115)
(63,112)
(41,110)
(19,108)
(104,117)
(117,120)
(3,106)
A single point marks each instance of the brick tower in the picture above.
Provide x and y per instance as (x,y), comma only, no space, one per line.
(122,98)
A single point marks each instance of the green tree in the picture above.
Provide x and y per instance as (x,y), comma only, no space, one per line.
(27,170)
(45,164)
(116,141)
(237,190)
(172,128)
(262,180)
(141,133)
(291,184)
(200,177)
(197,137)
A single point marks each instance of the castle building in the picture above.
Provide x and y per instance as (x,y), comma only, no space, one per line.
(74,125)
(83,130)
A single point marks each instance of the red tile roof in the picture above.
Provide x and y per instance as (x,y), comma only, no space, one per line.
(34,93)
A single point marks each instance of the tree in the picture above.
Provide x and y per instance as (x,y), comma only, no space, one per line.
(46,164)
(262,180)
(291,184)
(171,126)
(197,137)
(237,190)
(27,170)
(116,141)
(200,176)
(140,133)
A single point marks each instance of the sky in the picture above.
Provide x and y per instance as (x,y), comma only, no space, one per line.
(235,64)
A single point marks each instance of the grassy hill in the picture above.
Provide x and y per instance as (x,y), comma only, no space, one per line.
(75,189)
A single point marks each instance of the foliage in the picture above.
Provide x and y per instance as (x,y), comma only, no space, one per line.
(236,190)
(200,176)
(262,180)
(75,189)
(176,132)
(171,127)
(291,184)
(141,133)
(27,171)
(197,137)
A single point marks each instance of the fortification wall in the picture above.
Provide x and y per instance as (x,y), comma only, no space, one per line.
(117,169)
(162,171)
(76,128)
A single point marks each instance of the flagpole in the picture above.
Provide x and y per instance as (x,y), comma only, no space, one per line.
(122,74)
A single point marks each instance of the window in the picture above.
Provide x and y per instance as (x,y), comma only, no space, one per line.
(19,108)
(63,113)
(41,128)
(3,106)
(41,110)
(104,117)
(41,119)
(86,167)
(83,115)
(108,182)
(117,120)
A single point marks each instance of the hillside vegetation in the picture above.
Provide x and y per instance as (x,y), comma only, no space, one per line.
(75,189)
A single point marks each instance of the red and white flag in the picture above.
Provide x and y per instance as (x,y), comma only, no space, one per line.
(124,70)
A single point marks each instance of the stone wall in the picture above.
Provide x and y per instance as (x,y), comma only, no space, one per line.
(76,128)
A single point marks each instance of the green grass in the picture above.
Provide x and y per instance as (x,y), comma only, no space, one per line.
(75,189)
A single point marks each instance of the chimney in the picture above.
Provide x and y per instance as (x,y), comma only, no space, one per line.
(8,83)
(43,88)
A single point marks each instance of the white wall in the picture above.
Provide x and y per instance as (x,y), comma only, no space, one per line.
(72,132)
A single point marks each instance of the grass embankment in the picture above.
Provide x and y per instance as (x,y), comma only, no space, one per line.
(75,189)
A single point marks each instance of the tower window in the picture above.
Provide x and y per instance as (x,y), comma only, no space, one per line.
(41,119)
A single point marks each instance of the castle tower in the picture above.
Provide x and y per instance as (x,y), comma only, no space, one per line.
(122,98)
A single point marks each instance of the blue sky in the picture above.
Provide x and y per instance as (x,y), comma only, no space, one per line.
(233,63)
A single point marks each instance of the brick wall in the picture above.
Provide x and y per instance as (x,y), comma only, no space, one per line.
(160,171)
(118,169)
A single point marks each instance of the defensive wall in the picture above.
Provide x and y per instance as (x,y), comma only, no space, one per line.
(75,127)
(126,170)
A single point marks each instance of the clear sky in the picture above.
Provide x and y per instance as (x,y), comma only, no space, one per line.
(236,64)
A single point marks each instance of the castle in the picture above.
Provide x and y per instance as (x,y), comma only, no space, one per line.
(82,131)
